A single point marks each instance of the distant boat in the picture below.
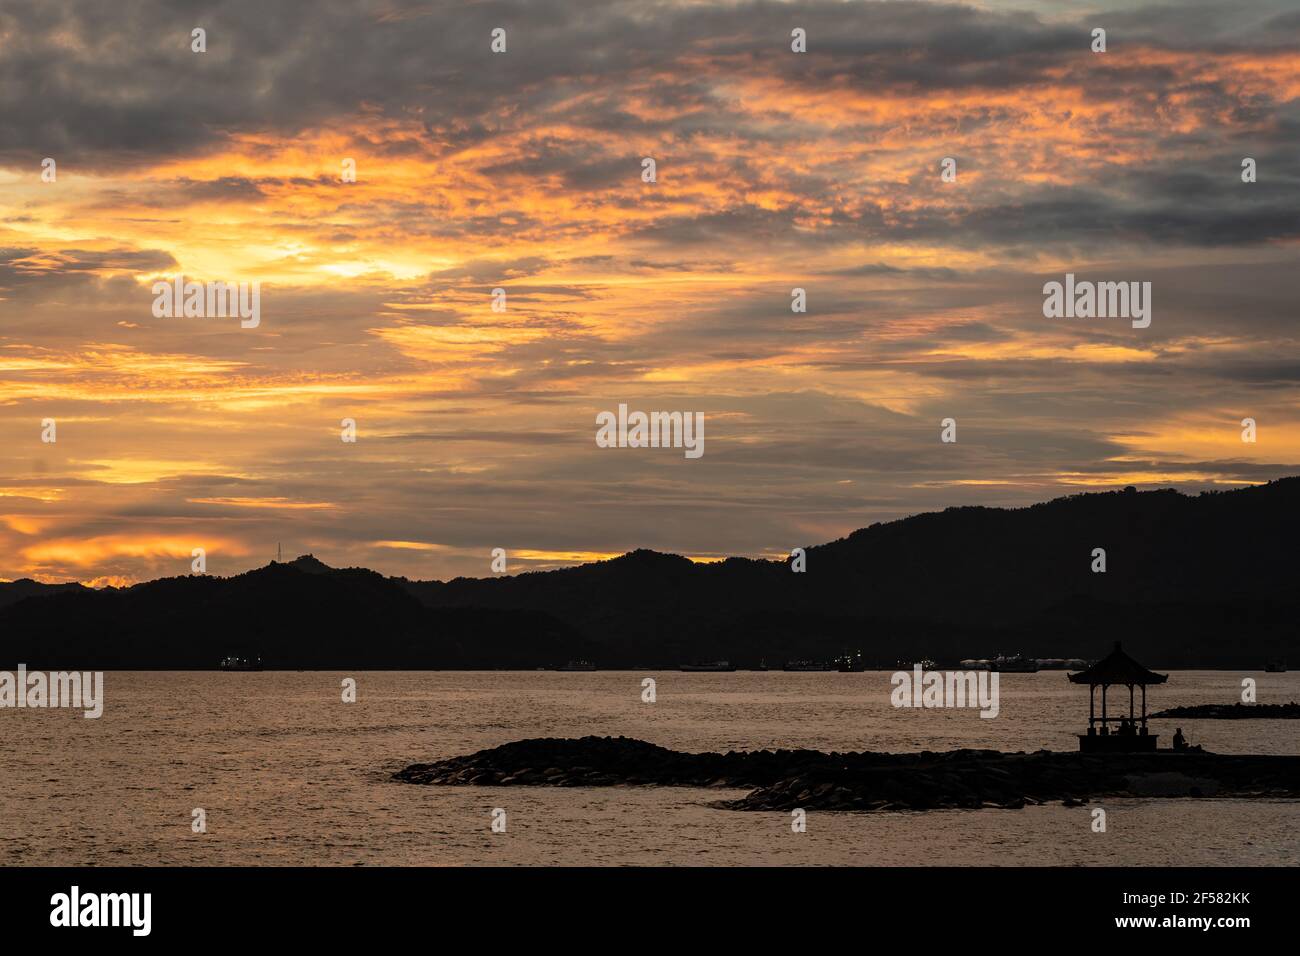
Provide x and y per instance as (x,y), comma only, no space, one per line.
(810,666)
(710,666)
(577,666)
(1275,667)
(850,665)
(1062,664)
(233,663)
(1013,665)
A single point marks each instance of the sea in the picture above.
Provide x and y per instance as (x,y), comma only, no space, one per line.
(285,772)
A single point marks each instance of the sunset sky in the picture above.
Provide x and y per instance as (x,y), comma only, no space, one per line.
(522,170)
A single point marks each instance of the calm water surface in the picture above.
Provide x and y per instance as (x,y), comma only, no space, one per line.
(288,774)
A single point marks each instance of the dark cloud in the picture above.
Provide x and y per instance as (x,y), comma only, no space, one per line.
(99,88)
(100,85)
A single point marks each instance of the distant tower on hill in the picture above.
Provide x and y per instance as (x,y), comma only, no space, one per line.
(278,556)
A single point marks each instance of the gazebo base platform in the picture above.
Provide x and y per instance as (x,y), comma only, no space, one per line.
(1117,743)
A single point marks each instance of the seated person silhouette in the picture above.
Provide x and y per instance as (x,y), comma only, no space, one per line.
(1180,742)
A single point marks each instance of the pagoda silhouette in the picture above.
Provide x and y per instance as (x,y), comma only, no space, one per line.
(1130,733)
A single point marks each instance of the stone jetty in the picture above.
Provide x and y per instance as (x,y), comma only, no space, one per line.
(813,780)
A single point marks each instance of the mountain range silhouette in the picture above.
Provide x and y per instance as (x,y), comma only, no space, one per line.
(1207,580)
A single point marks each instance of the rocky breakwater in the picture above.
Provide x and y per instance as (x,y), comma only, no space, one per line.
(1237,711)
(785,779)
(610,761)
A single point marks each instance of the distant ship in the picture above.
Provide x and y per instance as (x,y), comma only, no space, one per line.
(810,666)
(1062,664)
(1014,665)
(1024,665)
(241,663)
(577,666)
(1275,667)
(850,665)
(711,666)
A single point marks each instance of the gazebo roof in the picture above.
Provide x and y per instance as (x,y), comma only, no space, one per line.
(1118,668)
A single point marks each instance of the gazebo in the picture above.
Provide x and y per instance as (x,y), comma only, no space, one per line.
(1127,737)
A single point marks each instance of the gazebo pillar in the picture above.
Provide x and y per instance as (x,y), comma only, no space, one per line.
(1092,707)
(1131,715)
(1103,710)
(1144,708)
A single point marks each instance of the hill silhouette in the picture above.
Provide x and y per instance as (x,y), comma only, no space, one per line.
(296,615)
(13,591)
(1203,580)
